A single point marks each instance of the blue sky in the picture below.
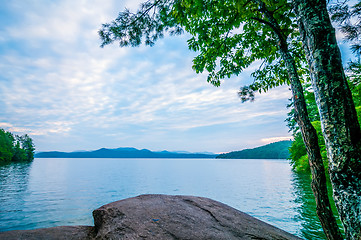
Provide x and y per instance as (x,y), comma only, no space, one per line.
(67,93)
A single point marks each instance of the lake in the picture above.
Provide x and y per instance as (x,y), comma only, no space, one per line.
(53,192)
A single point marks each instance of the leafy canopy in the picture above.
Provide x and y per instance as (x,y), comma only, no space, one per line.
(14,148)
(229,36)
(348,18)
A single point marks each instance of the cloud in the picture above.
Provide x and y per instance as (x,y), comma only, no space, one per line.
(5,125)
(59,86)
(276,139)
(46,128)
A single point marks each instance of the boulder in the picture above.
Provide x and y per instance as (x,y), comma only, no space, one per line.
(162,217)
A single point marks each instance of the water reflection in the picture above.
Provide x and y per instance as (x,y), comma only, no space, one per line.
(14,179)
(306,207)
(54,192)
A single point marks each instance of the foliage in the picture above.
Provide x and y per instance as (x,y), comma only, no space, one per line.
(358,111)
(27,145)
(298,154)
(349,20)
(354,75)
(311,109)
(15,148)
(6,147)
(228,35)
(348,17)
(276,150)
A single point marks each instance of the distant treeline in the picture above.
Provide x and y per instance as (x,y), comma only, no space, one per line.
(14,148)
(277,150)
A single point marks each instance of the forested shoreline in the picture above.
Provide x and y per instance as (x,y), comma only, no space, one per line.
(276,150)
(298,154)
(15,148)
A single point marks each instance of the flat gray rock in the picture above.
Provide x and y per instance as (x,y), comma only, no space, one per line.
(162,217)
(178,217)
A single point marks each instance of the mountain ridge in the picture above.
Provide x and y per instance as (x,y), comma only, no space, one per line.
(126,152)
(275,150)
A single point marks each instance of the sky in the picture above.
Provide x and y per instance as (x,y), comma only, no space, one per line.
(58,86)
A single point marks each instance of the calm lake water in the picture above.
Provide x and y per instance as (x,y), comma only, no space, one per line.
(53,192)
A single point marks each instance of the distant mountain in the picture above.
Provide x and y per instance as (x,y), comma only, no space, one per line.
(276,150)
(121,153)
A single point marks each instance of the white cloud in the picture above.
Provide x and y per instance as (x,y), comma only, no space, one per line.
(5,125)
(45,129)
(59,83)
(275,139)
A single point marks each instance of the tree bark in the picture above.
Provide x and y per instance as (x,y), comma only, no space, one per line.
(340,126)
(310,139)
(309,135)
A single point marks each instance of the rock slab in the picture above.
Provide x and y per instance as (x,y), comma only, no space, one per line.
(162,217)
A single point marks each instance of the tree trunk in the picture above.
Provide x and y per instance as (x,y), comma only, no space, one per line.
(339,122)
(309,135)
